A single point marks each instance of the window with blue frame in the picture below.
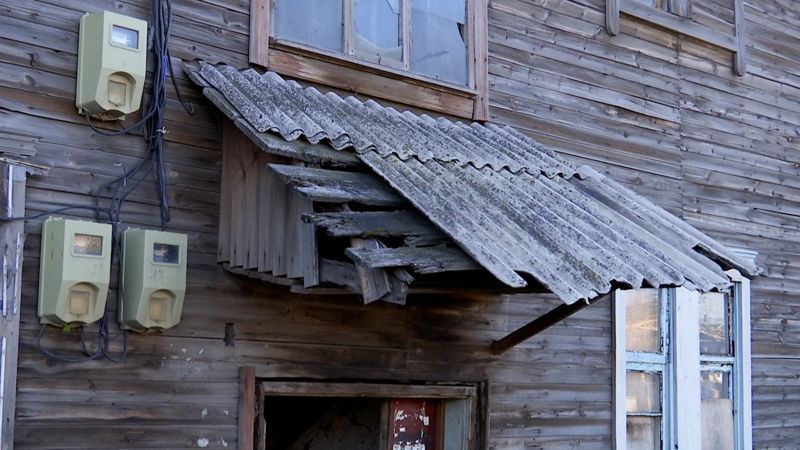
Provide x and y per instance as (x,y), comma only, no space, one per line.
(682,369)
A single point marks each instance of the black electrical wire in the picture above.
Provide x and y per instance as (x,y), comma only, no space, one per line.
(151,123)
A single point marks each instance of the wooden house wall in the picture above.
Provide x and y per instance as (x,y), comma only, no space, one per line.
(666,115)
(661,113)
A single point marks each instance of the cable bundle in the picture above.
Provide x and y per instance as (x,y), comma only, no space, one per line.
(152,125)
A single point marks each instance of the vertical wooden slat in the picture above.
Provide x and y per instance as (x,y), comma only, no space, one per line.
(374,282)
(612,17)
(223,241)
(308,237)
(11,239)
(247,407)
(480,43)
(740,57)
(234,151)
(265,209)
(294,252)
(250,213)
(278,222)
(260,29)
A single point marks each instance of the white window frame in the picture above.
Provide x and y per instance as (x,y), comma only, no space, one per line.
(681,382)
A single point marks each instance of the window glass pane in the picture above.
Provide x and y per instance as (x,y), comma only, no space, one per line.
(642,321)
(715,316)
(643,392)
(438,39)
(644,433)
(317,23)
(377,26)
(716,411)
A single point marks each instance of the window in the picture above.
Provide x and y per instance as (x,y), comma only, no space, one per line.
(676,15)
(679,7)
(425,53)
(682,368)
(368,416)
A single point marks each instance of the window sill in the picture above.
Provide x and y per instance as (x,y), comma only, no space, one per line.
(357,63)
(369,79)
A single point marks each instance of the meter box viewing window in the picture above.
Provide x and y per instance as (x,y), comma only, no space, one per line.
(154,279)
(112,59)
(74,272)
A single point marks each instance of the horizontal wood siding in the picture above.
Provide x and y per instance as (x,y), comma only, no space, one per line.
(660,112)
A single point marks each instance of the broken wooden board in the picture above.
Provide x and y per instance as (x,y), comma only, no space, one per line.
(422,259)
(375,224)
(322,185)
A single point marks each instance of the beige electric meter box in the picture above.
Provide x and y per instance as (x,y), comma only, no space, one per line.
(112,64)
(154,279)
(74,271)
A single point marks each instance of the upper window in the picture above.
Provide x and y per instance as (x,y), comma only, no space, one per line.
(683,375)
(679,7)
(429,54)
(426,37)
(716,24)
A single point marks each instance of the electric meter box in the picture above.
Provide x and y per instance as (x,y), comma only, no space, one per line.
(74,271)
(112,60)
(154,279)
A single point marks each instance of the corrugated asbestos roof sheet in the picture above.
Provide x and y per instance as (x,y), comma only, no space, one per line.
(508,201)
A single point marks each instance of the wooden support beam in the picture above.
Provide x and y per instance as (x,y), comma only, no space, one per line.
(535,327)
(247,407)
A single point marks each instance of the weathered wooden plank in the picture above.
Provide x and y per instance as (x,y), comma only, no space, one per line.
(278,231)
(422,259)
(374,282)
(12,239)
(339,273)
(308,243)
(373,224)
(334,186)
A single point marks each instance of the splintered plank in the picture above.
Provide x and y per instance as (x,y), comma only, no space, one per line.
(374,282)
(374,224)
(322,185)
(422,259)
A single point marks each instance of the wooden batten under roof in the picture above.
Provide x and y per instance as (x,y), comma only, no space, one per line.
(322,224)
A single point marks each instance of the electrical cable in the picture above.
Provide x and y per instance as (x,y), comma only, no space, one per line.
(151,123)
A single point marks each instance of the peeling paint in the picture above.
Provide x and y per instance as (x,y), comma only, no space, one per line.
(204,413)
(223,442)
(202,442)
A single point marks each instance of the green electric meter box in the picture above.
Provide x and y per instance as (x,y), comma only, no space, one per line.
(74,271)
(153,279)
(112,60)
